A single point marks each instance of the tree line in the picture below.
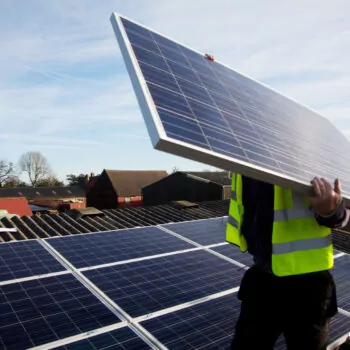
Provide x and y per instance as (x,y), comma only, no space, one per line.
(38,170)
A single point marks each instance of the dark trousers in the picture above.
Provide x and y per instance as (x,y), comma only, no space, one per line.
(299,307)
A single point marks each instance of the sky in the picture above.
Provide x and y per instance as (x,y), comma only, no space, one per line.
(65,91)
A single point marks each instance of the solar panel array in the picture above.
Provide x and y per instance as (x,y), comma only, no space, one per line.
(208,112)
(180,297)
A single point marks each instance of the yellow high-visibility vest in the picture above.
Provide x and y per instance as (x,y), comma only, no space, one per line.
(299,244)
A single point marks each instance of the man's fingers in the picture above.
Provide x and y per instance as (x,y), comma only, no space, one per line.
(337,186)
(316,186)
(327,187)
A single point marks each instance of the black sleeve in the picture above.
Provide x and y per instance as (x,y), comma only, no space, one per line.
(250,197)
(256,196)
(257,199)
(338,219)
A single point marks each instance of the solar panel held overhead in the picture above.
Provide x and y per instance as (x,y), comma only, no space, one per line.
(202,110)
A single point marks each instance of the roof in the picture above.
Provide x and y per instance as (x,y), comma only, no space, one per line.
(43,192)
(129,183)
(219,177)
(18,206)
(79,221)
(51,225)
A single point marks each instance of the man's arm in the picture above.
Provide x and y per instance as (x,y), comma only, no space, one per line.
(328,204)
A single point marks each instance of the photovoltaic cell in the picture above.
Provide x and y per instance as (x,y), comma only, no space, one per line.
(234,253)
(119,339)
(341,276)
(107,247)
(152,285)
(40,311)
(210,113)
(204,232)
(25,259)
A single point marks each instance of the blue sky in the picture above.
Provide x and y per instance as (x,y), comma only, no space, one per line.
(65,91)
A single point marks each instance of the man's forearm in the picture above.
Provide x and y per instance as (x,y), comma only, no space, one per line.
(338,219)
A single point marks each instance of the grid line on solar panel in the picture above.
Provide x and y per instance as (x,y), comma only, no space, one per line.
(143,287)
(150,257)
(44,310)
(234,253)
(216,83)
(116,336)
(186,305)
(107,247)
(119,339)
(26,259)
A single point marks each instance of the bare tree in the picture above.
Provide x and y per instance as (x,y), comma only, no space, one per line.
(6,170)
(35,165)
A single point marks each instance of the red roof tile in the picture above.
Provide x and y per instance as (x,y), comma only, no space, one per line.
(17,206)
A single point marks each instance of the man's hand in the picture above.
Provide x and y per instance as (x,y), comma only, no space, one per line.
(325,199)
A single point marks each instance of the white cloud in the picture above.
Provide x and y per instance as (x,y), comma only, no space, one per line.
(62,70)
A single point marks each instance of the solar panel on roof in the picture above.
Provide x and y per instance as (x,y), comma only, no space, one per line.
(204,232)
(26,259)
(48,309)
(147,286)
(210,113)
(97,249)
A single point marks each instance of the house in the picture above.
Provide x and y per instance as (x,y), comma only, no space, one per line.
(121,188)
(52,197)
(189,186)
(15,206)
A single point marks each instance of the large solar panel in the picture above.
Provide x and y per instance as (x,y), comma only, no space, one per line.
(48,309)
(119,339)
(108,247)
(151,285)
(204,232)
(26,259)
(210,113)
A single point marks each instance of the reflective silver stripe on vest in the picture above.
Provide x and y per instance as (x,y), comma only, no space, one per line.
(233,195)
(302,244)
(299,210)
(232,221)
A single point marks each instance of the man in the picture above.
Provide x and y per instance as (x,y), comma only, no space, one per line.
(289,289)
